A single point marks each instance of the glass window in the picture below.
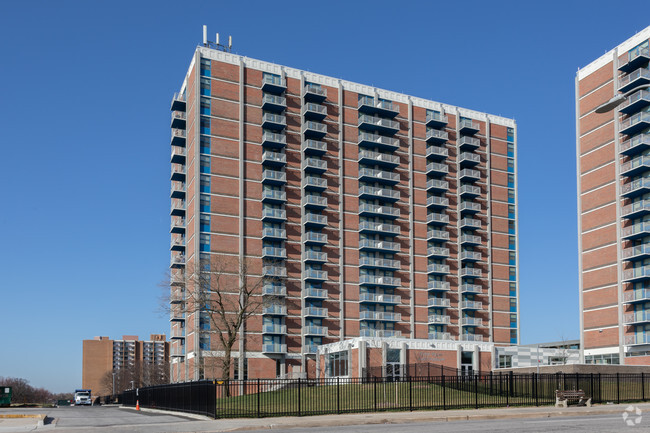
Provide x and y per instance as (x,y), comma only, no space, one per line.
(205,164)
(511,165)
(205,106)
(338,364)
(205,86)
(511,195)
(513,305)
(205,125)
(512,242)
(205,182)
(511,149)
(513,289)
(205,203)
(511,211)
(205,144)
(512,272)
(505,361)
(512,257)
(205,223)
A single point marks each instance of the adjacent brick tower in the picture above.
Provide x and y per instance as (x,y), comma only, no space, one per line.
(377,214)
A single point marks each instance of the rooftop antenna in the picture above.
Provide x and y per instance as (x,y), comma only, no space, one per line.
(216,45)
(205,36)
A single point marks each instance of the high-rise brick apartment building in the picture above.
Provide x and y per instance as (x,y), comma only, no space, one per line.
(379,215)
(613,205)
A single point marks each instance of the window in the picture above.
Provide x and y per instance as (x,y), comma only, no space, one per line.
(511,165)
(511,195)
(205,86)
(513,320)
(512,257)
(205,144)
(511,134)
(505,361)
(338,364)
(512,242)
(511,180)
(511,149)
(205,106)
(205,203)
(512,227)
(512,273)
(205,125)
(205,67)
(235,362)
(511,211)
(513,305)
(608,358)
(205,183)
(205,242)
(204,342)
(513,289)
(513,336)
(204,321)
(638,50)
(205,223)
(205,164)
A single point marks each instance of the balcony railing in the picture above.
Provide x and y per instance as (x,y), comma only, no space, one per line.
(274,195)
(375,105)
(314,91)
(274,329)
(471,321)
(474,158)
(383,333)
(315,330)
(471,190)
(466,142)
(386,211)
(274,310)
(637,273)
(439,302)
(274,139)
(437,218)
(272,120)
(628,81)
(438,285)
(273,175)
(315,274)
(636,230)
(438,268)
(274,290)
(379,263)
(471,288)
(637,143)
(274,157)
(387,316)
(380,245)
(314,182)
(468,173)
(438,319)
(315,293)
(636,251)
(437,201)
(440,336)
(371,157)
(270,232)
(315,312)
(379,280)
(437,184)
(379,175)
(471,337)
(471,305)
(440,235)
(468,126)
(316,256)
(438,252)
(436,136)
(470,223)
(368,138)
(637,317)
(437,151)
(380,123)
(635,123)
(316,164)
(274,102)
(470,239)
(277,214)
(274,271)
(273,83)
(436,119)
(636,187)
(373,226)
(380,298)
(631,340)
(314,146)
(470,272)
(274,252)
(470,255)
(274,348)
(470,206)
(314,127)
(315,110)
(437,168)
(636,208)
(311,200)
(386,193)
(639,295)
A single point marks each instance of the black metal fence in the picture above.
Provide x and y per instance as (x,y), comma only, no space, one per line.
(299,397)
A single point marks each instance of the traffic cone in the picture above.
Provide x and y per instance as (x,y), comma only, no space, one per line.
(137,405)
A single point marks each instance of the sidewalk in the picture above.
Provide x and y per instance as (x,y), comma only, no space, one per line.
(20,422)
(281,423)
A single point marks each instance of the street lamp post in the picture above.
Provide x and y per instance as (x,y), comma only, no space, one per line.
(113,386)
(618,99)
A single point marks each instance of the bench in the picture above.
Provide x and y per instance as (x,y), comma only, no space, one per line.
(563,397)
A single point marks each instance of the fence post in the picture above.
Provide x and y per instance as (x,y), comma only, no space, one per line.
(536,385)
(410,393)
(375,391)
(299,397)
(511,384)
(618,389)
(258,398)
(507,393)
(491,393)
(476,390)
(600,389)
(338,397)
(642,387)
(591,386)
(444,403)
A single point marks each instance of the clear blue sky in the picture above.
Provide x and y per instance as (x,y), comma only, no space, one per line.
(84,118)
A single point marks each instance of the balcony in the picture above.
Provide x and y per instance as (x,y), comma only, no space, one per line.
(178,173)
(379,124)
(178,190)
(635,102)
(274,289)
(637,252)
(317,331)
(178,208)
(636,209)
(636,166)
(437,219)
(471,337)
(273,177)
(373,175)
(176,316)
(438,303)
(274,253)
(380,298)
(274,310)
(274,329)
(437,169)
(314,147)
(437,186)
(379,228)
(437,235)
(385,316)
(470,256)
(273,102)
(435,136)
(178,102)
(384,194)
(312,220)
(471,305)
(438,319)
(635,58)
(311,201)
(469,143)
(370,105)
(437,152)
(634,79)
(274,348)
(635,123)
(372,262)
(314,183)
(437,268)
(274,271)
(314,129)
(314,238)
(471,288)
(637,339)
(274,139)
(179,119)
(638,317)
(436,120)
(636,231)
(377,245)
(636,144)
(273,196)
(470,207)
(178,155)
(374,280)
(177,261)
(437,252)
(381,333)
(273,84)
(368,209)
(178,137)
(315,275)
(177,244)
(314,165)
(368,139)
(640,295)
(378,158)
(435,202)
(468,159)
(314,111)
(470,272)
(315,312)
(274,215)
(270,233)
(471,321)
(469,191)
(467,174)
(440,336)
(178,225)
(636,188)
(438,285)
(314,92)
(315,256)
(468,127)
(637,274)
(470,224)
(274,159)
(274,121)
(315,293)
